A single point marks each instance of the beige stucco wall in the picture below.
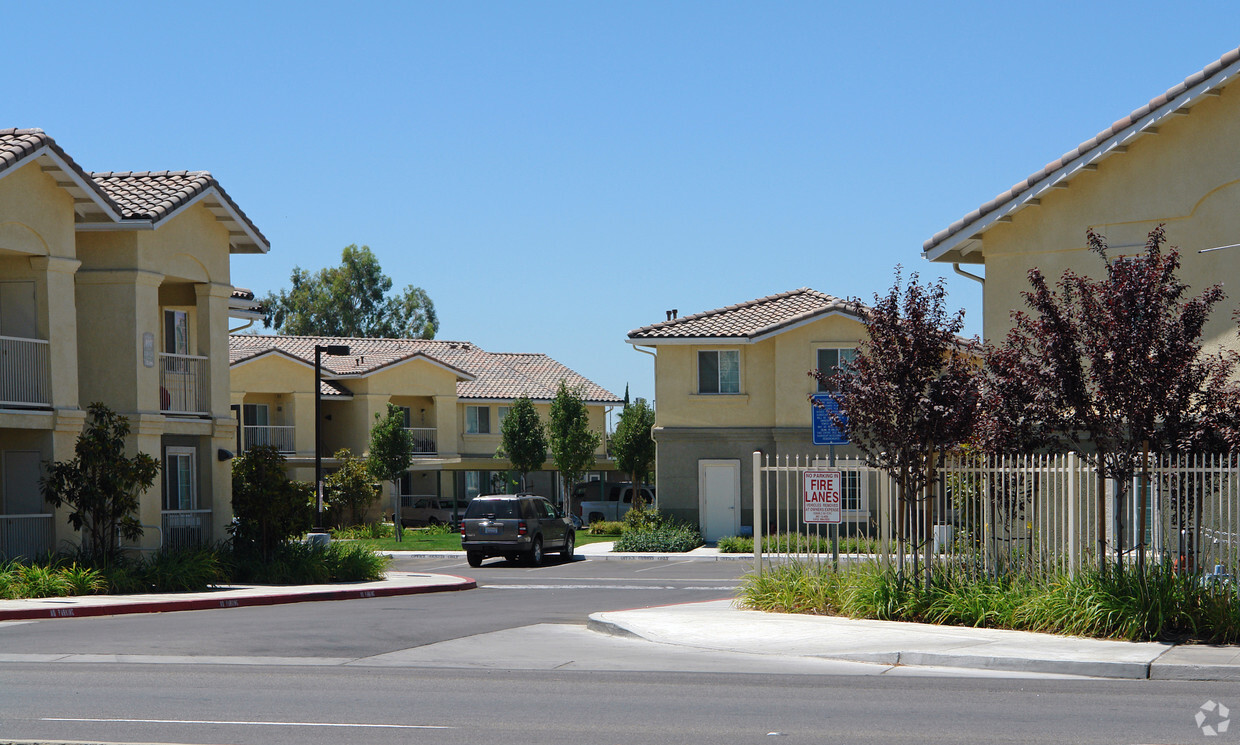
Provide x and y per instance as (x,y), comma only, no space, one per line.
(774,385)
(1187,176)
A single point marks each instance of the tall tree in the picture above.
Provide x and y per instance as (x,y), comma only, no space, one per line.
(391,453)
(632,444)
(1114,368)
(909,395)
(572,441)
(101,486)
(523,438)
(350,300)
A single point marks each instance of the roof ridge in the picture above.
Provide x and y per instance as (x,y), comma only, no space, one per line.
(147,174)
(738,306)
(1153,105)
(357,338)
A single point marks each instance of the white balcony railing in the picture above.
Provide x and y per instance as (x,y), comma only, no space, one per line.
(183,384)
(25,536)
(186,528)
(281,438)
(423,440)
(25,372)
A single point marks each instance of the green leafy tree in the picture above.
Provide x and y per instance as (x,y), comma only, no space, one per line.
(100,485)
(572,441)
(632,445)
(391,453)
(524,439)
(351,300)
(269,508)
(349,490)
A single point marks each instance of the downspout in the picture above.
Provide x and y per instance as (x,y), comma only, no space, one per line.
(956,268)
(242,328)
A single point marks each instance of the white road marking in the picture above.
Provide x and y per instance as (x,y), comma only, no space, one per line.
(260,724)
(663,566)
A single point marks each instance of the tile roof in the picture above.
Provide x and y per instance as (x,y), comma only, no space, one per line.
(1215,75)
(154,195)
(17,145)
(749,320)
(484,375)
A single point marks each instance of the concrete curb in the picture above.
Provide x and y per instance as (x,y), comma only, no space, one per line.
(201,603)
(1092,668)
(583,556)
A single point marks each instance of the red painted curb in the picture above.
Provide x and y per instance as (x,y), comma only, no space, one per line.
(166,606)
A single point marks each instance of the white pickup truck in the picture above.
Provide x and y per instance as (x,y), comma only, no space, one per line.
(609,500)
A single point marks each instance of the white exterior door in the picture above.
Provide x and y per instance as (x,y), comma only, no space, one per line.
(719,497)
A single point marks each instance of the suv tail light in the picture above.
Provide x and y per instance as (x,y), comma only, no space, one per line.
(462,527)
(522,528)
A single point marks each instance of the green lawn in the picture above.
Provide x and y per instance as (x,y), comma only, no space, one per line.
(416,540)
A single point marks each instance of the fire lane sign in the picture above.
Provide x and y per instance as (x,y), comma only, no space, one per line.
(823,492)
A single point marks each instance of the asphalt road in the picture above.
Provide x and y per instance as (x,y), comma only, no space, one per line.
(511,662)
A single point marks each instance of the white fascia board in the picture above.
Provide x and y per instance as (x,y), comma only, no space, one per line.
(1068,170)
(698,340)
(805,321)
(82,183)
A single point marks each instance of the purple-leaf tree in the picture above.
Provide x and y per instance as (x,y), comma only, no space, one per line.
(1113,368)
(910,394)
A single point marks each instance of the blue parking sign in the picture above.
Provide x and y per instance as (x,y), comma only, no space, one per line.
(825,431)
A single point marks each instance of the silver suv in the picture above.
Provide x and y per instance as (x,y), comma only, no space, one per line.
(516,526)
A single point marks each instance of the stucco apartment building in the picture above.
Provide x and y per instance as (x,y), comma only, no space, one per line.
(734,380)
(115,287)
(1172,161)
(454,396)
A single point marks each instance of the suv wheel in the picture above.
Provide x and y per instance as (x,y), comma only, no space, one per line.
(474,558)
(535,555)
(569,545)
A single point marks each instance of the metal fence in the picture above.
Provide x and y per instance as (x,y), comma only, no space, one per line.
(183,384)
(185,528)
(281,438)
(25,536)
(423,440)
(25,372)
(1033,514)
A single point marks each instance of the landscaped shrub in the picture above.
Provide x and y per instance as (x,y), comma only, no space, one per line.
(48,580)
(1166,606)
(185,570)
(605,527)
(298,563)
(655,533)
(365,531)
(735,544)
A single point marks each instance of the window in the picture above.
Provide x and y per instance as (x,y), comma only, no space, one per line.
(852,492)
(254,415)
(503,414)
(829,359)
(176,332)
(180,484)
(472,484)
(477,420)
(719,372)
(408,414)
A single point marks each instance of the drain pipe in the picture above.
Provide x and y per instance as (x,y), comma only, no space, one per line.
(956,268)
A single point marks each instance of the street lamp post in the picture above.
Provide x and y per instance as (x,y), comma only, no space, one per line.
(335,350)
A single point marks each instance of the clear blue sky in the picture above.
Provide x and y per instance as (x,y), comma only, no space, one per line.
(556,174)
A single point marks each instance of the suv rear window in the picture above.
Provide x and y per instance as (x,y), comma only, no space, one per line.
(498,508)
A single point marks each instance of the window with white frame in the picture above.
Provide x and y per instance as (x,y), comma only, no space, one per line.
(473,484)
(176,332)
(255,415)
(477,420)
(180,483)
(854,494)
(719,371)
(829,359)
(502,412)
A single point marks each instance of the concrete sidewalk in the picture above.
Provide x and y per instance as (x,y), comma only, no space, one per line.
(396,583)
(719,625)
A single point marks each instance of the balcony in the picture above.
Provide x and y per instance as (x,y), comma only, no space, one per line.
(423,441)
(25,536)
(183,384)
(25,373)
(185,528)
(281,438)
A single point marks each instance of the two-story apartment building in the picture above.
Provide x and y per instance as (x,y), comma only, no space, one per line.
(734,380)
(454,396)
(1171,162)
(115,288)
